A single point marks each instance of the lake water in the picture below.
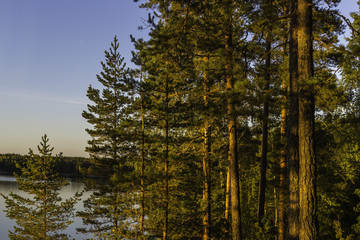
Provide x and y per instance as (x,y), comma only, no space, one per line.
(8,184)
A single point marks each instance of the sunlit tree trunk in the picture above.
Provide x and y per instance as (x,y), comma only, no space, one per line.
(233,156)
(282,184)
(207,167)
(227,195)
(307,158)
(293,138)
(282,164)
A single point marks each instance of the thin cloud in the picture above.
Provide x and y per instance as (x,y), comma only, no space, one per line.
(43,99)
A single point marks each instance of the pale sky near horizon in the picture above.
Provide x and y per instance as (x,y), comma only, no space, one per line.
(50,51)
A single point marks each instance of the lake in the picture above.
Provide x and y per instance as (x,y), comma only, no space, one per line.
(8,184)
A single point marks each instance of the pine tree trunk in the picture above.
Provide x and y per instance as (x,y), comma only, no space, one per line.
(207,168)
(264,145)
(207,182)
(234,179)
(227,195)
(293,139)
(166,166)
(282,163)
(282,212)
(233,158)
(307,158)
(142,200)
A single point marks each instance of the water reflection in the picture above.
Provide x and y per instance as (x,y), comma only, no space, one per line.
(8,184)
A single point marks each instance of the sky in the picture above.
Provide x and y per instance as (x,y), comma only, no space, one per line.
(50,52)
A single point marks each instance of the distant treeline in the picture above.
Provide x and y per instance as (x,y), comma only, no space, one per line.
(66,166)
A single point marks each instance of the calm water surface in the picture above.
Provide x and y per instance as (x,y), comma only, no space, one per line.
(8,184)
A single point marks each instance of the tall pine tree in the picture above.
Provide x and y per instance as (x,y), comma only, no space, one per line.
(112,149)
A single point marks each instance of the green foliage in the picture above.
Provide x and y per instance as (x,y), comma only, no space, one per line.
(111,150)
(42,214)
(183,88)
(183,71)
(338,171)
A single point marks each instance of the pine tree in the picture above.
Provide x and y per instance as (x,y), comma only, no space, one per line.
(43,214)
(167,135)
(233,154)
(269,15)
(140,113)
(293,142)
(112,152)
(171,99)
(283,161)
(221,51)
(307,160)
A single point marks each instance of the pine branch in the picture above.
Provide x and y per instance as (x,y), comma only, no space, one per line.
(347,21)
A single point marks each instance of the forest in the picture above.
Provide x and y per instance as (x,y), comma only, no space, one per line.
(239,121)
(64,165)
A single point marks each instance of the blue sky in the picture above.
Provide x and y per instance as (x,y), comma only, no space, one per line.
(50,51)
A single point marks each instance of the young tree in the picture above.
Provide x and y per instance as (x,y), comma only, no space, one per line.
(43,214)
(112,150)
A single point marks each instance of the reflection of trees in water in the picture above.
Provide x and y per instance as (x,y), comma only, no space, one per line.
(8,184)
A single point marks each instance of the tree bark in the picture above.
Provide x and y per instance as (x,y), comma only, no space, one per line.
(207,167)
(207,184)
(234,179)
(282,164)
(232,155)
(282,184)
(293,139)
(227,195)
(307,171)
